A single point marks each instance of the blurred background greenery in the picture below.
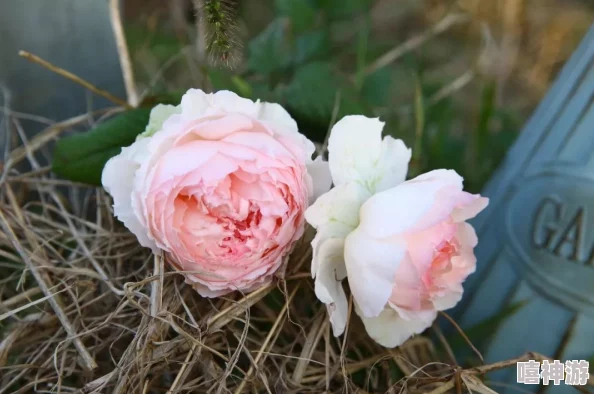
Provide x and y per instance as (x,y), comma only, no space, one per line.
(455,79)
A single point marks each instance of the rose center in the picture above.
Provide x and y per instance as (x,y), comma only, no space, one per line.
(443,255)
(442,262)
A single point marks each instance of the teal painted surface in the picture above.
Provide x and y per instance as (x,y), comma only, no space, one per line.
(73,34)
(537,236)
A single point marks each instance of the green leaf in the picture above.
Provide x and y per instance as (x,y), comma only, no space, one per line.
(362,49)
(81,157)
(159,42)
(300,12)
(270,51)
(343,9)
(254,90)
(172,98)
(311,46)
(222,80)
(312,94)
(486,113)
(420,124)
(377,87)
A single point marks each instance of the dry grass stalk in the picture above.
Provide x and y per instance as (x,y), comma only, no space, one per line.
(124,54)
(74,78)
(415,42)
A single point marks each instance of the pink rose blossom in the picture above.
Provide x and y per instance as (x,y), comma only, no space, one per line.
(220,184)
(416,239)
(404,246)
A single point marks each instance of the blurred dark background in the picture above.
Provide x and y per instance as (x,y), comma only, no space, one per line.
(455,79)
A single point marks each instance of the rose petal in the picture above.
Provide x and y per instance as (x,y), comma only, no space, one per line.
(389,329)
(325,231)
(320,176)
(194,103)
(358,154)
(230,102)
(275,113)
(413,205)
(118,180)
(470,210)
(328,283)
(159,114)
(392,164)
(341,204)
(371,265)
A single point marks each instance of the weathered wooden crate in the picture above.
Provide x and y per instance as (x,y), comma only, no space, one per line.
(537,235)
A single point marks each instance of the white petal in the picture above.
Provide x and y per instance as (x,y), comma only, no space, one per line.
(195,103)
(371,265)
(358,154)
(284,125)
(205,291)
(275,113)
(325,231)
(466,235)
(390,329)
(471,210)
(159,114)
(232,103)
(392,164)
(118,180)
(328,283)
(447,301)
(403,207)
(320,176)
(354,145)
(340,204)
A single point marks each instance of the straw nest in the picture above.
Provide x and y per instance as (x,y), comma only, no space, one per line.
(83,308)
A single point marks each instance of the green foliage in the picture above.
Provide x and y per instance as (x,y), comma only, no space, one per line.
(270,50)
(81,157)
(172,98)
(301,13)
(377,87)
(311,46)
(316,89)
(343,9)
(295,62)
(301,61)
(161,44)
